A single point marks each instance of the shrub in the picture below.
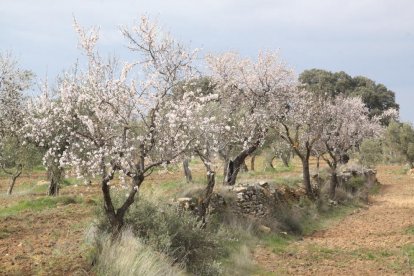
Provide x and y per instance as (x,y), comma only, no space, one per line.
(370,152)
(355,183)
(178,233)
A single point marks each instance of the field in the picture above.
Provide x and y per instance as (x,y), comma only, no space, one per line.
(48,236)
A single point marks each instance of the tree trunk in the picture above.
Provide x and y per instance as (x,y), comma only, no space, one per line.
(187,171)
(333,184)
(53,187)
(13,179)
(116,217)
(269,162)
(318,164)
(229,171)
(235,165)
(55,176)
(205,202)
(252,160)
(285,159)
(243,167)
(225,168)
(306,177)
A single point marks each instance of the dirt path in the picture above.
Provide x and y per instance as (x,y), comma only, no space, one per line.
(374,241)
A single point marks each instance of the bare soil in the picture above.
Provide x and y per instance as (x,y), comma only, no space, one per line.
(371,241)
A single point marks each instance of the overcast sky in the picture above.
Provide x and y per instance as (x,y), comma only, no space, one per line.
(373,38)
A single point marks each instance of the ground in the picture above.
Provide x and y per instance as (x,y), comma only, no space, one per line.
(375,240)
(43,236)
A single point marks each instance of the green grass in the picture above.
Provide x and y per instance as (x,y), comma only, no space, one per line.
(280,168)
(5,233)
(409,253)
(368,254)
(270,171)
(375,189)
(29,188)
(400,171)
(69,181)
(277,243)
(410,230)
(291,181)
(327,218)
(37,205)
(317,252)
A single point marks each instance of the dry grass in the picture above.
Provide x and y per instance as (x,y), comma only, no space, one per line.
(129,256)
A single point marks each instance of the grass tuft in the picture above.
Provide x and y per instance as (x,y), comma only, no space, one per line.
(37,205)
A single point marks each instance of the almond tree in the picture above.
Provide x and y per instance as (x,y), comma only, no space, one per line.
(250,95)
(206,145)
(13,153)
(301,126)
(118,124)
(348,125)
(47,126)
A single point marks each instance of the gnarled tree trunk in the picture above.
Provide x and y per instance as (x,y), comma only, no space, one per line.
(116,216)
(235,165)
(55,176)
(187,171)
(13,178)
(268,163)
(333,184)
(244,167)
(285,159)
(205,201)
(252,162)
(306,176)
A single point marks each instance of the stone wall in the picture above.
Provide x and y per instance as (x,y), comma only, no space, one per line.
(260,199)
(256,199)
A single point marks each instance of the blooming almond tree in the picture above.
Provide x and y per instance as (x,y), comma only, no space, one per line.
(301,126)
(206,146)
(348,125)
(119,125)
(13,83)
(250,95)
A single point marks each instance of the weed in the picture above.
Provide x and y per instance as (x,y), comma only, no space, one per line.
(410,230)
(409,253)
(176,233)
(37,205)
(277,243)
(290,181)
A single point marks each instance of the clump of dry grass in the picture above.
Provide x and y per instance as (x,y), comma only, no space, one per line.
(127,255)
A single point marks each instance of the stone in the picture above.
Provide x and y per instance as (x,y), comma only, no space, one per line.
(264,184)
(185,202)
(184,199)
(332,202)
(264,229)
(239,189)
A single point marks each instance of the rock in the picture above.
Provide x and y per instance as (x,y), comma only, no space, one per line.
(184,199)
(185,202)
(264,184)
(239,189)
(264,229)
(332,202)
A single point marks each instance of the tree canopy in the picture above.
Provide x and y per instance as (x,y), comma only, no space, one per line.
(377,97)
